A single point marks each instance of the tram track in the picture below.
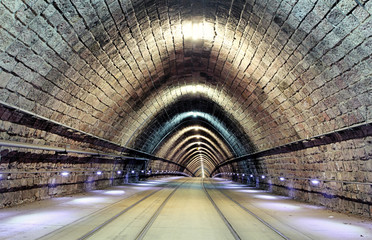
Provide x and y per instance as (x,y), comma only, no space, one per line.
(147,226)
(229,225)
(56,234)
(136,219)
(198,209)
(224,219)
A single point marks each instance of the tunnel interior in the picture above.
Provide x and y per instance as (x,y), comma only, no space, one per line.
(274,93)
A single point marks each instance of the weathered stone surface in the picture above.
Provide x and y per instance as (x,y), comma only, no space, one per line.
(283,70)
(343,170)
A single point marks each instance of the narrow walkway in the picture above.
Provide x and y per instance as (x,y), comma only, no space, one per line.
(178,208)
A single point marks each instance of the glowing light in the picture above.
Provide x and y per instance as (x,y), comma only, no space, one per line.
(268,197)
(24,220)
(251,175)
(198,31)
(208,31)
(187,30)
(252,191)
(99,173)
(118,172)
(194,89)
(263,177)
(232,187)
(88,200)
(283,207)
(315,181)
(142,184)
(114,192)
(281,178)
(142,171)
(340,230)
(132,171)
(65,174)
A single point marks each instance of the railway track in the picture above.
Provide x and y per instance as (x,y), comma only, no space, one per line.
(148,225)
(65,230)
(233,231)
(145,229)
(136,219)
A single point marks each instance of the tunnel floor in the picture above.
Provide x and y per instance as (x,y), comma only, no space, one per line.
(178,208)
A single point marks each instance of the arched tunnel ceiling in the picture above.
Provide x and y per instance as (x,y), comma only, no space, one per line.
(276,71)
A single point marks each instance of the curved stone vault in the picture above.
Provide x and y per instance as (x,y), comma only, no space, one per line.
(194,82)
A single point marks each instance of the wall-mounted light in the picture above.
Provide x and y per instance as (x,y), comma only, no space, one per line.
(65,174)
(251,175)
(263,176)
(142,171)
(99,173)
(118,172)
(281,178)
(315,181)
(243,174)
(132,171)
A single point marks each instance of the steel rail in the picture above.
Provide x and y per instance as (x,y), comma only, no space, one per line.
(252,214)
(110,220)
(148,225)
(229,226)
(99,211)
(99,227)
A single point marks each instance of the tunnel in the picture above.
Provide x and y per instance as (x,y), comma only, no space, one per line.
(264,105)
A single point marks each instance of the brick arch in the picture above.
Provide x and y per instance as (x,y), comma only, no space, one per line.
(94,62)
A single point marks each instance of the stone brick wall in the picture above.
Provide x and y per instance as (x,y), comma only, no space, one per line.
(285,69)
(344,170)
(26,177)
